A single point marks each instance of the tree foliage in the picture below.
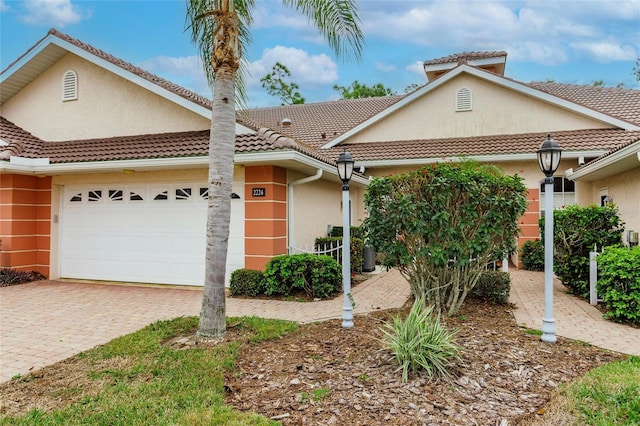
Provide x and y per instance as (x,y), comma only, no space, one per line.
(636,70)
(276,85)
(358,90)
(442,224)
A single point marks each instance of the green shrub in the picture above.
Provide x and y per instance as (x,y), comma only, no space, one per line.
(9,276)
(317,276)
(576,230)
(532,255)
(493,286)
(355,232)
(619,283)
(357,250)
(420,342)
(247,282)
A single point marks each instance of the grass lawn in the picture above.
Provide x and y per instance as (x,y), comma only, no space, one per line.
(139,380)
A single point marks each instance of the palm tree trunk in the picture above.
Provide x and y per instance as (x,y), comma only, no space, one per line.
(221,151)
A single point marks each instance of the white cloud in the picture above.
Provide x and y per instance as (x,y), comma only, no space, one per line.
(3,6)
(416,68)
(58,13)
(546,32)
(606,52)
(306,70)
(382,66)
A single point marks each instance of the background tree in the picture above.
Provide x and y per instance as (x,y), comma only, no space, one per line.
(357,90)
(442,224)
(412,87)
(276,84)
(220,29)
(636,70)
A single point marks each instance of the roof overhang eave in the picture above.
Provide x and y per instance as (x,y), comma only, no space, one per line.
(609,165)
(489,158)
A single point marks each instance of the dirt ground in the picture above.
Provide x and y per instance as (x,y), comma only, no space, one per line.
(325,375)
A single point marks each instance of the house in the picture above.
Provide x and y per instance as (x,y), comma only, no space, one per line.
(103,166)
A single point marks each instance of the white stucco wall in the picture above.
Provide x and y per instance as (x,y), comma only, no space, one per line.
(107,106)
(496,110)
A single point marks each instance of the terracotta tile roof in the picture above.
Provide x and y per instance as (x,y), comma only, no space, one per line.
(620,103)
(631,141)
(309,122)
(164,145)
(172,87)
(577,140)
(468,56)
(20,142)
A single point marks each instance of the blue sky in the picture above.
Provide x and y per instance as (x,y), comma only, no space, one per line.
(566,41)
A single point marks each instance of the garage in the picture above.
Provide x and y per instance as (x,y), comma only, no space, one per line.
(142,233)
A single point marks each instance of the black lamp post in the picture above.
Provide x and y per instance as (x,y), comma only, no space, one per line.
(549,156)
(345,170)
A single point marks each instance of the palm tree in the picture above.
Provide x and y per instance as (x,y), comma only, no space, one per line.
(220,29)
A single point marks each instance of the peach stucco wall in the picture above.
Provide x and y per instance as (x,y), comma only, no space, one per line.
(624,188)
(496,110)
(25,213)
(318,204)
(107,106)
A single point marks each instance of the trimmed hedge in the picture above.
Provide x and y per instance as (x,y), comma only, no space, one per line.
(576,230)
(247,282)
(318,276)
(619,283)
(532,255)
(493,286)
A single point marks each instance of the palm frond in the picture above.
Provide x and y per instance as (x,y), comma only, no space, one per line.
(337,20)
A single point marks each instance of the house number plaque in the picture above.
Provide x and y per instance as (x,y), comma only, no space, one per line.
(258,192)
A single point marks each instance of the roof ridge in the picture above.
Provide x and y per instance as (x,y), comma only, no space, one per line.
(127,66)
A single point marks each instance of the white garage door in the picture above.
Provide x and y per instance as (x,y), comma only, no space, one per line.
(145,233)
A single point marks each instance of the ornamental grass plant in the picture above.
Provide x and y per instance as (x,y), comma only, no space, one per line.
(421,342)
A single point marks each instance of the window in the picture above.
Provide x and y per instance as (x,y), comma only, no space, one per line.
(463,99)
(183,193)
(564,193)
(70,86)
(76,198)
(133,196)
(162,196)
(95,195)
(115,195)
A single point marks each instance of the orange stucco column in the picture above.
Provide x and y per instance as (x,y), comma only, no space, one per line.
(265,209)
(529,220)
(25,222)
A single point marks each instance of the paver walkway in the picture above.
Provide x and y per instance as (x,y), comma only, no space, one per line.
(45,322)
(575,317)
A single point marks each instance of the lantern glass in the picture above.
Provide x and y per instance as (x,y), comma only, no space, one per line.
(345,166)
(549,156)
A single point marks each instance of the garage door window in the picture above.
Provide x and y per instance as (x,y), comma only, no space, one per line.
(135,197)
(95,195)
(183,193)
(164,195)
(115,195)
(76,198)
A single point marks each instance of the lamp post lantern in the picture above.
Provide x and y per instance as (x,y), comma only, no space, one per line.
(549,156)
(345,170)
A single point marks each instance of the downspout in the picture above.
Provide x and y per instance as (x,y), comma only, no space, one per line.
(290,209)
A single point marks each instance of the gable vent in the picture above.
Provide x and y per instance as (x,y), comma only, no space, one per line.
(463,99)
(70,86)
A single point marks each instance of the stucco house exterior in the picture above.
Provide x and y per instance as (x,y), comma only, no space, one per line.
(103,166)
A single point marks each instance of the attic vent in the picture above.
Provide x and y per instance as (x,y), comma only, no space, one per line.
(463,99)
(286,122)
(70,86)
